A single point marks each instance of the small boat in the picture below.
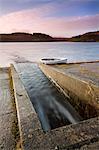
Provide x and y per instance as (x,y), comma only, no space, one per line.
(52,61)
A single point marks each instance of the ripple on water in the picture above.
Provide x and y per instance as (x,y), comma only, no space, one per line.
(52,106)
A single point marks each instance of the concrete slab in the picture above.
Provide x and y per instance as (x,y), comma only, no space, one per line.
(7,140)
(92,146)
(7,113)
(63,138)
(88,72)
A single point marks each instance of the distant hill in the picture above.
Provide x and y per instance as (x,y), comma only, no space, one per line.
(40,37)
(25,37)
(87,37)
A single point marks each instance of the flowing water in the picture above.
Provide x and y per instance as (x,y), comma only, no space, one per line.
(33,51)
(51,106)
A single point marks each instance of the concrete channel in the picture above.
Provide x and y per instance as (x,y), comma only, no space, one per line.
(77,133)
(51,105)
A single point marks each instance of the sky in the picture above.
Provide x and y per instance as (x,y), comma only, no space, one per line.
(58,18)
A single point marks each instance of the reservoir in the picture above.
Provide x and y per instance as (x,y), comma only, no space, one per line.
(33,51)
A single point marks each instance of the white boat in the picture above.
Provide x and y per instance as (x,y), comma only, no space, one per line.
(52,61)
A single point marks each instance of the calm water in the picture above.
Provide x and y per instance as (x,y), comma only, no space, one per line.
(21,52)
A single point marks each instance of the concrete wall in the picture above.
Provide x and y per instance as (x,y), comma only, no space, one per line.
(83,95)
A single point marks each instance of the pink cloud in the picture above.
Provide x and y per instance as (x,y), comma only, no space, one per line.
(35,20)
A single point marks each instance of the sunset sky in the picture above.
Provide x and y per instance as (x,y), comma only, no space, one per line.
(62,18)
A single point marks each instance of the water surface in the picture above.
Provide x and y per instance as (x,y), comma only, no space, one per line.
(33,51)
(52,107)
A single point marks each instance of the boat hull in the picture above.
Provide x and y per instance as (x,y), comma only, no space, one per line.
(53,61)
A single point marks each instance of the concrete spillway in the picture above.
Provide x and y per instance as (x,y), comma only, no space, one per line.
(52,106)
(18,116)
